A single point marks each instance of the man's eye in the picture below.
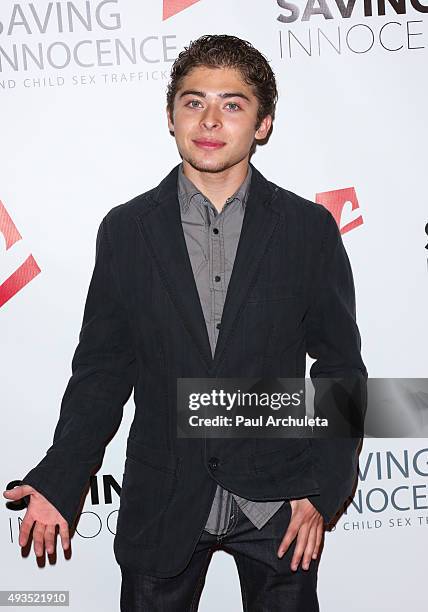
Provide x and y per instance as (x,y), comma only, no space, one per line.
(234,104)
(191,103)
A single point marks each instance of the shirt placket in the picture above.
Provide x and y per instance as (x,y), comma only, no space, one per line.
(216,267)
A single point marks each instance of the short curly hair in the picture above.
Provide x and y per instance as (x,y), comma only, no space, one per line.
(223,50)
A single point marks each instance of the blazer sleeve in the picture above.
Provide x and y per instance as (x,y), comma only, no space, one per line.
(333,340)
(103,371)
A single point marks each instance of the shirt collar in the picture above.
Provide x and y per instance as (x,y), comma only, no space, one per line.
(187,189)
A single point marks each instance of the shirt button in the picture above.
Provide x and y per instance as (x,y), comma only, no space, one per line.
(218,325)
(215,231)
(217,278)
(213,463)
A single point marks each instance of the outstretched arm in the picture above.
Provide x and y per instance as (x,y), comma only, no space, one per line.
(103,373)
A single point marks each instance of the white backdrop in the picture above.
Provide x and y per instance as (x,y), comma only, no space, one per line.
(83,128)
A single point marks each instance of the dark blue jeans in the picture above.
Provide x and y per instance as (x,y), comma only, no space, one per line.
(268,584)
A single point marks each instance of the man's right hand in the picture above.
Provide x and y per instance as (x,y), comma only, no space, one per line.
(45,516)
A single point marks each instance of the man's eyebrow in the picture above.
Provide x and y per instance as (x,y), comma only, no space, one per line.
(202,94)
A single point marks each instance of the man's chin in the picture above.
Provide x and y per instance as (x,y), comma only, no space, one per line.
(209,165)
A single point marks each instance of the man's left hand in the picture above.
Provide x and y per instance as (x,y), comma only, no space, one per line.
(308,525)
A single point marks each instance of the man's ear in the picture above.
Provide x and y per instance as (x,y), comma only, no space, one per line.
(169,118)
(264,128)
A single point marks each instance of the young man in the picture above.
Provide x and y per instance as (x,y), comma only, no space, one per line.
(216,272)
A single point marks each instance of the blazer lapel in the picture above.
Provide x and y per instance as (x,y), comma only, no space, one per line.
(161,227)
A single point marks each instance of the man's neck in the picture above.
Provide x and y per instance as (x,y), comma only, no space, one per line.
(218,186)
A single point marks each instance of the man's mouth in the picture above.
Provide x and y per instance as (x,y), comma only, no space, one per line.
(204,143)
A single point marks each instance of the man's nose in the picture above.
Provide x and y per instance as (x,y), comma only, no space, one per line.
(210,118)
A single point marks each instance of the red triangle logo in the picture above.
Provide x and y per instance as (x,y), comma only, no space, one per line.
(172,7)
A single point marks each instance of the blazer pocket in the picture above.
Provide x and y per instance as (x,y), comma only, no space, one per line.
(270,324)
(289,452)
(148,487)
(156,458)
(292,472)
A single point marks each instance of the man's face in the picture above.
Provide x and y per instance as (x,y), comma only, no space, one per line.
(214,119)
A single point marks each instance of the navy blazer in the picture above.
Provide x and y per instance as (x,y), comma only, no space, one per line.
(291,293)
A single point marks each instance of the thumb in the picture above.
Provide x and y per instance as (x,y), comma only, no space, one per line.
(18,492)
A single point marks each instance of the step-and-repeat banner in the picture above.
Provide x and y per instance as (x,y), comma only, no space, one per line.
(83,128)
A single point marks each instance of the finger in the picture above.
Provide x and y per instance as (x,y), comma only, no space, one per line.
(320,532)
(17,492)
(65,536)
(38,537)
(302,538)
(288,538)
(310,545)
(50,532)
(25,529)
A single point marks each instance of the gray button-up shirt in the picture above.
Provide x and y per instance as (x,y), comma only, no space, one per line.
(212,239)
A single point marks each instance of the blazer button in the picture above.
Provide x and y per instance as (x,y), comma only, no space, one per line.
(213,463)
